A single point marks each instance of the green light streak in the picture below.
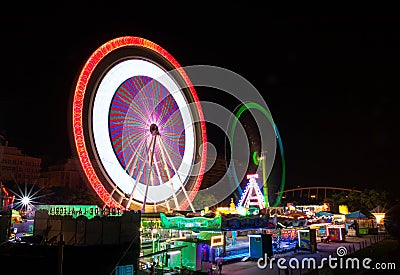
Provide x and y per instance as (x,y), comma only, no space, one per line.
(255,158)
(254,105)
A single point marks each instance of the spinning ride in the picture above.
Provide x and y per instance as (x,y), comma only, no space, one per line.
(138,127)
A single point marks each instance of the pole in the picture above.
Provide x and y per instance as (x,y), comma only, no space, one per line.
(152,145)
(265,184)
(224,247)
(60,254)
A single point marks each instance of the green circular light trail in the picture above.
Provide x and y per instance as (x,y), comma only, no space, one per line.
(254,105)
(255,158)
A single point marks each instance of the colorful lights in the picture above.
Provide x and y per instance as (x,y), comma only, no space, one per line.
(252,195)
(256,158)
(82,139)
(7,199)
(241,211)
(89,211)
(123,111)
(254,105)
(252,176)
(217,240)
(26,199)
(192,223)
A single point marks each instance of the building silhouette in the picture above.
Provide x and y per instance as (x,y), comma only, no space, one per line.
(17,167)
(65,173)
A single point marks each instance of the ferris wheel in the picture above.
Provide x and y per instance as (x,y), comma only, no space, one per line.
(138,127)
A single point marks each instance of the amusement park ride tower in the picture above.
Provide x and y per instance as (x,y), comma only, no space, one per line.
(252,195)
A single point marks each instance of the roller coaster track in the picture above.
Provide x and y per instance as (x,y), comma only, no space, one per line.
(312,192)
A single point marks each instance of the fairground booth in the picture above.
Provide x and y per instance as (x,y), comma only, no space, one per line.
(362,224)
(379,213)
(307,239)
(178,239)
(195,239)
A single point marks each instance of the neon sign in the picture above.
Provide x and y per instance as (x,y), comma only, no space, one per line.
(192,223)
(89,211)
(217,240)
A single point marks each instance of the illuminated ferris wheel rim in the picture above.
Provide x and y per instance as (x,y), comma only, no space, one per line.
(102,102)
(80,141)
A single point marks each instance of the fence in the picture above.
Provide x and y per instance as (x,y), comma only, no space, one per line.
(107,230)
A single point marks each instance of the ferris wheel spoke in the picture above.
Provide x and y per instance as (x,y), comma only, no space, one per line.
(136,117)
(167,205)
(171,120)
(126,108)
(144,104)
(137,114)
(174,153)
(169,177)
(176,172)
(150,172)
(135,158)
(138,103)
(136,179)
(172,125)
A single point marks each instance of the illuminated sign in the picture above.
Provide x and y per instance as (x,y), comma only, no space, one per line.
(242,223)
(90,211)
(192,223)
(217,240)
(343,209)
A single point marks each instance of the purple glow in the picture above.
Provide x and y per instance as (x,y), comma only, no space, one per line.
(139,102)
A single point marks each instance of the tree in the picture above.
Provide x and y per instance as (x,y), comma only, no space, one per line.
(203,199)
(364,201)
(65,195)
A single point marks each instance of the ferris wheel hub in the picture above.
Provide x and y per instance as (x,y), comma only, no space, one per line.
(154,129)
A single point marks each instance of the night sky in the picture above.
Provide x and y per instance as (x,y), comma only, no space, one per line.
(329,81)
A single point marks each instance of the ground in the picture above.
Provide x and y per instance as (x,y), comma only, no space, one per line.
(377,248)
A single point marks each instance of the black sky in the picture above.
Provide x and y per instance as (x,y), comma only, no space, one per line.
(329,81)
